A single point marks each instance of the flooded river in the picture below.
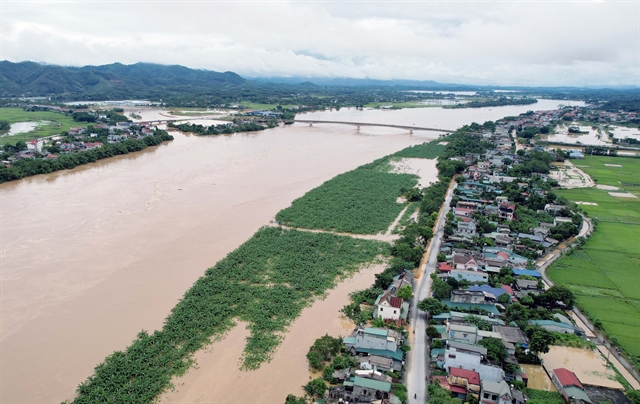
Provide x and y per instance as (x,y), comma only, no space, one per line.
(91,256)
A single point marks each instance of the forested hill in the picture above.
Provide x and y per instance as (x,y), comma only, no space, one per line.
(112,81)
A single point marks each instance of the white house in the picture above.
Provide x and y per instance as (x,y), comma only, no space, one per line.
(388,307)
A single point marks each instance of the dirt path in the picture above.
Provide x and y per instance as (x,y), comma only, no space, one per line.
(570,176)
(387,237)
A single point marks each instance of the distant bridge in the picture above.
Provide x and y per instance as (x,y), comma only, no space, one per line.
(384,125)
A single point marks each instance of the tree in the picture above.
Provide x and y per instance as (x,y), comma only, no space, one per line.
(496,351)
(438,395)
(405,293)
(4,125)
(527,300)
(315,387)
(442,257)
(478,322)
(539,339)
(291,399)
(437,344)
(559,293)
(516,312)
(432,332)
(504,298)
(431,305)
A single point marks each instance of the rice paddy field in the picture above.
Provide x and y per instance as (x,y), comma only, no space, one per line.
(605,273)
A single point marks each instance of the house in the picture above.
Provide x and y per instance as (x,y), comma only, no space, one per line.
(511,335)
(471,357)
(528,272)
(467,229)
(444,267)
(553,208)
(555,326)
(376,363)
(462,212)
(467,296)
(471,276)
(402,280)
(465,262)
(378,338)
(35,145)
(526,284)
(467,379)
(361,389)
(569,386)
(506,211)
(388,307)
(379,342)
(462,333)
(495,392)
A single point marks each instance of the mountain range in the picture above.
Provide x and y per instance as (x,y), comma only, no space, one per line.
(111,81)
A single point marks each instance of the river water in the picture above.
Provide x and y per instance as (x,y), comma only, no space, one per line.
(91,256)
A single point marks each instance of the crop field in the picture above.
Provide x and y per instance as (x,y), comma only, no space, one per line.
(605,272)
(53,123)
(626,177)
(266,282)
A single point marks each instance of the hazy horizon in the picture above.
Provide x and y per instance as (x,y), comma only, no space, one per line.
(475,43)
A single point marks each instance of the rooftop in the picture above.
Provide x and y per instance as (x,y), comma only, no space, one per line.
(473,377)
(372,384)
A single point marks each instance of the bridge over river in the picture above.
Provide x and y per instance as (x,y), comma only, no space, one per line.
(410,128)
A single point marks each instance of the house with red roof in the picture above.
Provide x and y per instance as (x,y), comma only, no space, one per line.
(569,386)
(444,267)
(464,380)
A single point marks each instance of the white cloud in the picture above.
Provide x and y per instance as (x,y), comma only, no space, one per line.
(510,43)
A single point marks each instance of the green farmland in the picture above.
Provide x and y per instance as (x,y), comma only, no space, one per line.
(605,272)
(49,123)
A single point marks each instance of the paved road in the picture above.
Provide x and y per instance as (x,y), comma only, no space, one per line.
(418,358)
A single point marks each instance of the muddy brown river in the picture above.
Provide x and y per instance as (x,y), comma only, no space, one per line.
(93,255)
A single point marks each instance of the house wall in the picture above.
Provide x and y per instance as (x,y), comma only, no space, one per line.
(387,312)
(470,361)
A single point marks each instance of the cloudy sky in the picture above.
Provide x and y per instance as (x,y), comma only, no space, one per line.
(476,42)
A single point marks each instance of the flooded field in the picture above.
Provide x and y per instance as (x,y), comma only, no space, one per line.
(538,378)
(590,137)
(93,255)
(589,366)
(21,127)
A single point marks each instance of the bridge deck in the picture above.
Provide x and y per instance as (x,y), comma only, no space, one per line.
(385,125)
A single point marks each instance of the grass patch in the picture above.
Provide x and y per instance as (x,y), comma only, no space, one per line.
(360,201)
(542,396)
(266,282)
(55,123)
(429,150)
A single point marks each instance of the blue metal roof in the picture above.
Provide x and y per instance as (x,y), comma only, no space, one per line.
(486,288)
(530,272)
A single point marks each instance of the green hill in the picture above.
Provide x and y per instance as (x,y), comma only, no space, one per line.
(112,81)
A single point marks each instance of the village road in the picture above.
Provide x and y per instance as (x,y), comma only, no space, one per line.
(418,358)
